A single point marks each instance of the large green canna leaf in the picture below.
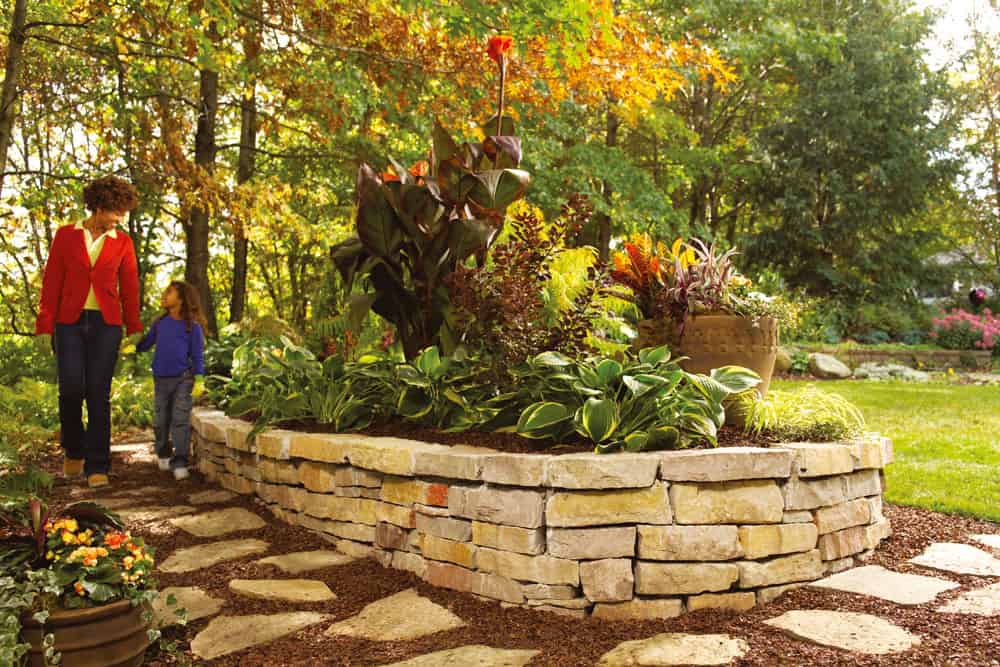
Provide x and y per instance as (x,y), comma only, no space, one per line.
(598,419)
(445,147)
(466,237)
(543,420)
(496,189)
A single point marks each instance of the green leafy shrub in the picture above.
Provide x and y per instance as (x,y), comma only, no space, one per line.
(807,414)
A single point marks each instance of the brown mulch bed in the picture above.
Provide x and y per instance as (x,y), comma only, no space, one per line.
(947,639)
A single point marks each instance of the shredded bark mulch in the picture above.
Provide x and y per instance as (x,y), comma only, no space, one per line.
(947,639)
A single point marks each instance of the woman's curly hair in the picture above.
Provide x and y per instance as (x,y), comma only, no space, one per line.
(110,193)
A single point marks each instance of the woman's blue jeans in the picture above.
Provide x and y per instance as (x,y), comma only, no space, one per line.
(86,355)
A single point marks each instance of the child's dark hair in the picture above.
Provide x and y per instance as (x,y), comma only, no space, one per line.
(190,303)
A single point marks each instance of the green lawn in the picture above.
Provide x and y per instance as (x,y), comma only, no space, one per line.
(947,441)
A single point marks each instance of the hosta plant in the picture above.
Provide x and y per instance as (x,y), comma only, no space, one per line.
(444,392)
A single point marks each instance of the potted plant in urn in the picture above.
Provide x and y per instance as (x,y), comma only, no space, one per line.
(74,587)
(693,299)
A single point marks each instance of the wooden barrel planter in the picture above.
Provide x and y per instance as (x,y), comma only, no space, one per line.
(112,635)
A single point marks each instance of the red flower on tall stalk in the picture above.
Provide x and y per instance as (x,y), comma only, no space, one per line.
(498,46)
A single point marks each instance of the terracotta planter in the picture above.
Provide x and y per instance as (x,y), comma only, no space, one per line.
(711,341)
(112,635)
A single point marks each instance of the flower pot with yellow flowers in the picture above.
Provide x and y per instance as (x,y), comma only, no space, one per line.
(693,299)
(73,584)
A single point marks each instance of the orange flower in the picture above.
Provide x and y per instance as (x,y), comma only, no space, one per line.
(78,587)
(114,540)
(388,176)
(419,169)
(498,46)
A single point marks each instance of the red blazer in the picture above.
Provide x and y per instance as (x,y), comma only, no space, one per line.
(68,277)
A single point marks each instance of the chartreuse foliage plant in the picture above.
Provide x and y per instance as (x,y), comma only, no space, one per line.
(807,414)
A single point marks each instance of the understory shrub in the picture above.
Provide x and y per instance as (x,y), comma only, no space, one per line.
(807,414)
(962,330)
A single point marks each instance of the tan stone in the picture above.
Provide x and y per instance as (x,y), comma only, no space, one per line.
(456,462)
(304,561)
(783,570)
(639,608)
(979,601)
(597,471)
(958,558)
(275,443)
(725,464)
(236,484)
(509,538)
(404,491)
(845,515)
(437,548)
(287,590)
(888,454)
(194,602)
(608,580)
(875,581)
(542,569)
(676,649)
(280,472)
(389,536)
(355,510)
(458,578)
(875,509)
(514,469)
(440,526)
(572,603)
(317,476)
(415,563)
(835,566)
(206,555)
(820,459)
(797,516)
(324,447)
(850,631)
(394,456)
(228,634)
(354,549)
(863,483)
(514,507)
(399,617)
(220,522)
(734,601)
(153,512)
(479,655)
(689,543)
(237,431)
(762,541)
(591,543)
(595,508)
(348,476)
(877,532)
(772,593)
(755,501)
(843,543)
(352,531)
(867,453)
(396,514)
(683,578)
(805,494)
(548,592)
(562,611)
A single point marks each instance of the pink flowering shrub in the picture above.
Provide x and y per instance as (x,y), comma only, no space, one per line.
(961,330)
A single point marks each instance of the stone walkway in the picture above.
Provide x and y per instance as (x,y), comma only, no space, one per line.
(406,615)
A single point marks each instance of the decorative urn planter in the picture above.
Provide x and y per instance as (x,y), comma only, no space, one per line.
(714,340)
(112,635)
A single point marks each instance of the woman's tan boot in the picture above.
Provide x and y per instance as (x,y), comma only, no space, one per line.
(97,480)
(72,467)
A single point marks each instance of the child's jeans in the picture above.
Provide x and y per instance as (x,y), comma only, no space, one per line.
(172,418)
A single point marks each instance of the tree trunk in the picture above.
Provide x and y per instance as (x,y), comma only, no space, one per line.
(12,68)
(197,226)
(604,219)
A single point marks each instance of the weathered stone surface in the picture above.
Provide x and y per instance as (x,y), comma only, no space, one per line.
(456,462)
(861,633)
(608,580)
(877,532)
(509,538)
(354,549)
(220,522)
(304,561)
(821,459)
(326,447)
(888,452)
(639,608)
(349,476)
(275,443)
(206,555)
(845,515)
(288,590)
(689,543)
(875,509)
(195,602)
(440,526)
(843,543)
(561,611)
(390,536)
(541,569)
(514,469)
(404,491)
(592,543)
(805,494)
(831,567)
(317,476)
(437,548)
(154,512)
(228,634)
(867,453)
(863,483)
(210,497)
(992,541)
(783,570)
(122,503)
(548,592)
(783,360)
(356,510)
(401,516)
(772,593)
(514,507)
(886,584)
(236,484)
(828,367)
(725,465)
(733,601)
(394,456)
(493,586)
(237,431)
(351,531)
(676,649)
(596,471)
(754,501)
(958,558)
(979,601)
(683,578)
(479,655)
(414,563)
(596,508)
(769,540)
(797,516)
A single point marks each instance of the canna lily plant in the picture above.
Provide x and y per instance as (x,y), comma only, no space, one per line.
(416,225)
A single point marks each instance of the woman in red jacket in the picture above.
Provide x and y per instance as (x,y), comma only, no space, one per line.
(89,289)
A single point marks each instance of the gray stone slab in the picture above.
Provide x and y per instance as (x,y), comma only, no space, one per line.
(287,590)
(675,648)
(465,656)
(211,497)
(979,601)
(888,585)
(860,633)
(227,634)
(195,603)
(398,617)
(207,555)
(958,558)
(219,522)
(304,561)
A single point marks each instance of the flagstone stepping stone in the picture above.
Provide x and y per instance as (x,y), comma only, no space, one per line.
(992,541)
(111,503)
(303,561)
(211,497)
(979,601)
(207,555)
(886,584)
(289,590)
(153,512)
(227,634)
(851,631)
(131,447)
(404,615)
(141,491)
(195,602)
(676,648)
(219,522)
(958,558)
(477,654)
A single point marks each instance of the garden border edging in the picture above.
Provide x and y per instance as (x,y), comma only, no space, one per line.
(617,535)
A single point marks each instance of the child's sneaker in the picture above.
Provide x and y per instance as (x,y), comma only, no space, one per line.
(181,473)
(164,464)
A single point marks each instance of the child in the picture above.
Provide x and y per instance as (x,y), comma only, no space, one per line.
(180,343)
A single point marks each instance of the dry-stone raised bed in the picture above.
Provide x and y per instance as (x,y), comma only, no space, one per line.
(617,536)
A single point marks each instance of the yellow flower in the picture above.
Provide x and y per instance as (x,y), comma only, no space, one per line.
(68,538)
(951,371)
(102,552)
(128,561)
